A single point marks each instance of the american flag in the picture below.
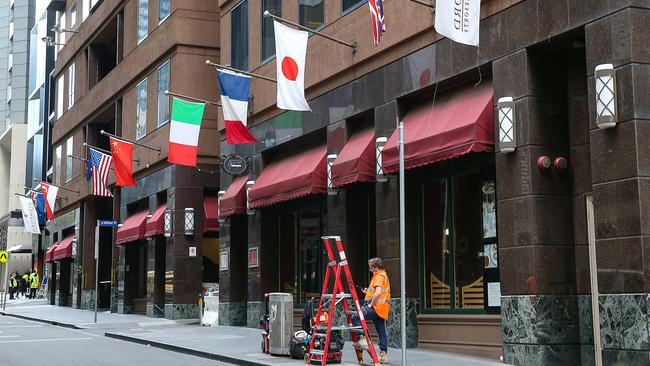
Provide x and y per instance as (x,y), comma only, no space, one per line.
(377,17)
(101,164)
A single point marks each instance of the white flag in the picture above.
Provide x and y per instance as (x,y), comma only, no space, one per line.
(459,20)
(290,54)
(29,215)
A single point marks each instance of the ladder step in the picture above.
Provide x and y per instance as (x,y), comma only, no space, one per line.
(341,327)
(338,296)
(316,351)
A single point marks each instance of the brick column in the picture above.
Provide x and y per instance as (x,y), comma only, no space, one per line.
(620,159)
(541,316)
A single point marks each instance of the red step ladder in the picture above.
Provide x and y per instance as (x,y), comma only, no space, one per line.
(328,303)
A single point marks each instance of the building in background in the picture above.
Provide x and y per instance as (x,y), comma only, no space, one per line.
(16,22)
(110,75)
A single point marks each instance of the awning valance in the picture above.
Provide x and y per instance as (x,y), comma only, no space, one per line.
(155,225)
(64,249)
(356,161)
(290,178)
(460,123)
(49,253)
(133,228)
(211,208)
(233,202)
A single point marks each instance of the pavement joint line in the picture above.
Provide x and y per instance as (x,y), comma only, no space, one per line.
(184,350)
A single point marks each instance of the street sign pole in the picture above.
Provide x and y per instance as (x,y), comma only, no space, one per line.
(6,277)
(96,267)
(402,242)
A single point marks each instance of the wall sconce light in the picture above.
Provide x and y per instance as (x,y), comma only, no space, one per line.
(330,163)
(57,29)
(219,196)
(249,210)
(507,125)
(168,223)
(189,221)
(379,147)
(74,246)
(606,113)
(49,42)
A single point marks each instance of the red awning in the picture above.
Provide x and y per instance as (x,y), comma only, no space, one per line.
(156,224)
(233,202)
(63,250)
(461,122)
(133,228)
(356,161)
(290,178)
(211,208)
(49,254)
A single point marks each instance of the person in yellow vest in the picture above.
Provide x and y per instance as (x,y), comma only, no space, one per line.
(33,284)
(13,285)
(24,284)
(376,306)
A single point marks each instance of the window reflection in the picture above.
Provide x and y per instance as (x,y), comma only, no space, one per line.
(141,110)
(312,13)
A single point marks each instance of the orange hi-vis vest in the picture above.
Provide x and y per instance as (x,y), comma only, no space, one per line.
(382,305)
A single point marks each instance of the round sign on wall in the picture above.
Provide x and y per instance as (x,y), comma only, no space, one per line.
(235,164)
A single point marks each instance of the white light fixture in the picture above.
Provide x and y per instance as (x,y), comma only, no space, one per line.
(189,221)
(507,125)
(249,210)
(168,223)
(330,163)
(379,147)
(606,113)
(219,196)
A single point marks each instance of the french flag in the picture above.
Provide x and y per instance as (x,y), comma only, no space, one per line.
(235,92)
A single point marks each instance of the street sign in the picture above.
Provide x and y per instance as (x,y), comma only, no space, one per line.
(107,223)
(3,256)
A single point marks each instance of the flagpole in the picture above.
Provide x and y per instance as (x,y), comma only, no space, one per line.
(167,92)
(106,151)
(433,7)
(82,159)
(218,66)
(130,141)
(352,44)
(22,195)
(63,188)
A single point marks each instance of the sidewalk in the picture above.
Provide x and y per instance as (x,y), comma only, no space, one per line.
(238,345)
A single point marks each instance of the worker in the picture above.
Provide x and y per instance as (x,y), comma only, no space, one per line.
(33,284)
(24,284)
(375,307)
(13,286)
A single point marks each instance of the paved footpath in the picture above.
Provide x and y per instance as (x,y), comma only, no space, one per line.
(237,345)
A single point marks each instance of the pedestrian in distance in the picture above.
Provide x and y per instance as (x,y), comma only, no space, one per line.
(375,307)
(33,284)
(13,286)
(24,281)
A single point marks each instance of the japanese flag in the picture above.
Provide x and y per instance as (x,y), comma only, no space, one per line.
(290,54)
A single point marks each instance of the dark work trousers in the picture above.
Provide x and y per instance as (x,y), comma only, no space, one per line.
(380,324)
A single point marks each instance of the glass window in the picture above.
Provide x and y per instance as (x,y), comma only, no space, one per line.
(60,36)
(73,15)
(164,9)
(68,160)
(239,36)
(163,100)
(71,82)
(459,232)
(141,110)
(60,84)
(268,34)
(350,4)
(143,19)
(57,165)
(312,13)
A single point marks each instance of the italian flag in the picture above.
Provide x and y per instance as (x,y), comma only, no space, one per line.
(184,132)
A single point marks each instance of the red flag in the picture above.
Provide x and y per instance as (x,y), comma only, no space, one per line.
(122,152)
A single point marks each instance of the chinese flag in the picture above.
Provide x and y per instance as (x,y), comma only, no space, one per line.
(122,161)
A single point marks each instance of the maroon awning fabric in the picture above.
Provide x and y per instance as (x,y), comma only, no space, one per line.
(156,224)
(49,254)
(356,161)
(63,250)
(133,228)
(461,122)
(233,202)
(211,208)
(290,178)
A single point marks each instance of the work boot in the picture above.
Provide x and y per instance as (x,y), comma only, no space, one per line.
(383,357)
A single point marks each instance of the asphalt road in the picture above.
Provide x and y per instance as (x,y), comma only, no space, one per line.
(27,343)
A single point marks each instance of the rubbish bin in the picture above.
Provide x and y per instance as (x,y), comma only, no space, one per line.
(280,322)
